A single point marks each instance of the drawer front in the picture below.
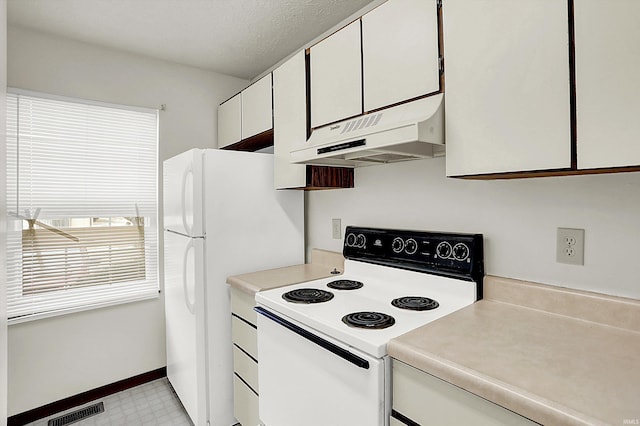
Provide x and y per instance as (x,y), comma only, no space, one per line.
(245,336)
(245,404)
(425,399)
(242,305)
(246,368)
(395,422)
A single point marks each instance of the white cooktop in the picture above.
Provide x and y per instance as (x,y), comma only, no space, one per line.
(381,285)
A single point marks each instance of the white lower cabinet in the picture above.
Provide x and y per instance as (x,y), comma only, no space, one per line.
(245,354)
(426,400)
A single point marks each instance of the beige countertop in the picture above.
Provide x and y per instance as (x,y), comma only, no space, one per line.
(322,264)
(556,356)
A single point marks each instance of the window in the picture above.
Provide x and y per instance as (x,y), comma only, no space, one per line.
(82,204)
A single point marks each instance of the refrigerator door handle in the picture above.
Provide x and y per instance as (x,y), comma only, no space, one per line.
(188,300)
(188,227)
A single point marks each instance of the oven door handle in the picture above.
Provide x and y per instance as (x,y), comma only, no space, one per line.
(335,349)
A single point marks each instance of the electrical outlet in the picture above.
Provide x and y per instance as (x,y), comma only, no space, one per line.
(336,229)
(570,246)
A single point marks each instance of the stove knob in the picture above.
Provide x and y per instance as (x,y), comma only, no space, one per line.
(411,246)
(443,250)
(460,251)
(350,240)
(360,241)
(397,245)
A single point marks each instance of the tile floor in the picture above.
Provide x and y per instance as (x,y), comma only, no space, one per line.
(153,403)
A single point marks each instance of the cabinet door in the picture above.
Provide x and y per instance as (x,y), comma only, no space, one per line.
(257,108)
(400,52)
(229,121)
(289,120)
(507,86)
(336,76)
(607,35)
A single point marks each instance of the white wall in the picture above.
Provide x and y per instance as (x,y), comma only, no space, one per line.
(3,213)
(517,217)
(55,358)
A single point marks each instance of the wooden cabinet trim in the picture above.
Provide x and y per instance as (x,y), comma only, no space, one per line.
(441,56)
(326,177)
(550,173)
(572,85)
(253,143)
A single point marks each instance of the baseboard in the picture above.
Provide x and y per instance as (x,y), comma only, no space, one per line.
(84,397)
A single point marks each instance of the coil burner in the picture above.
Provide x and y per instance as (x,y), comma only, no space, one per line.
(345,285)
(415,303)
(368,320)
(307,295)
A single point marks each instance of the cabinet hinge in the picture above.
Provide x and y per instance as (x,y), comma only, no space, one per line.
(441,64)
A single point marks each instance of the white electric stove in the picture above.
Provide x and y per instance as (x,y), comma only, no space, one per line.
(323,342)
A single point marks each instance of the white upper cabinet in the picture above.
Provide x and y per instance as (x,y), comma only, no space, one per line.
(289,120)
(607,43)
(336,76)
(247,114)
(257,114)
(400,52)
(229,121)
(507,86)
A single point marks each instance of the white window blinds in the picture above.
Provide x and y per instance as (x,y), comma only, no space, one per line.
(82,203)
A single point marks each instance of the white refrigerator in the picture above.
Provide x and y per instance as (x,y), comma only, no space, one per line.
(222,217)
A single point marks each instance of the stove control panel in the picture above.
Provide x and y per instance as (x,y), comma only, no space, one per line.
(439,253)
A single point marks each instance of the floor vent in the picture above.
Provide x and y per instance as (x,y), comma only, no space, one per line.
(76,416)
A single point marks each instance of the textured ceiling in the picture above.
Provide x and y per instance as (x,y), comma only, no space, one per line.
(236,37)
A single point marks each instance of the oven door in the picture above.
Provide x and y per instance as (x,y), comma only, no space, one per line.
(312,380)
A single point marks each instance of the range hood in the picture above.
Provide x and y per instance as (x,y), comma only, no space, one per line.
(409,131)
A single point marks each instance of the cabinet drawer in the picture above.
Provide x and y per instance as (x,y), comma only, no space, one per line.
(242,305)
(425,399)
(245,403)
(245,336)
(246,368)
